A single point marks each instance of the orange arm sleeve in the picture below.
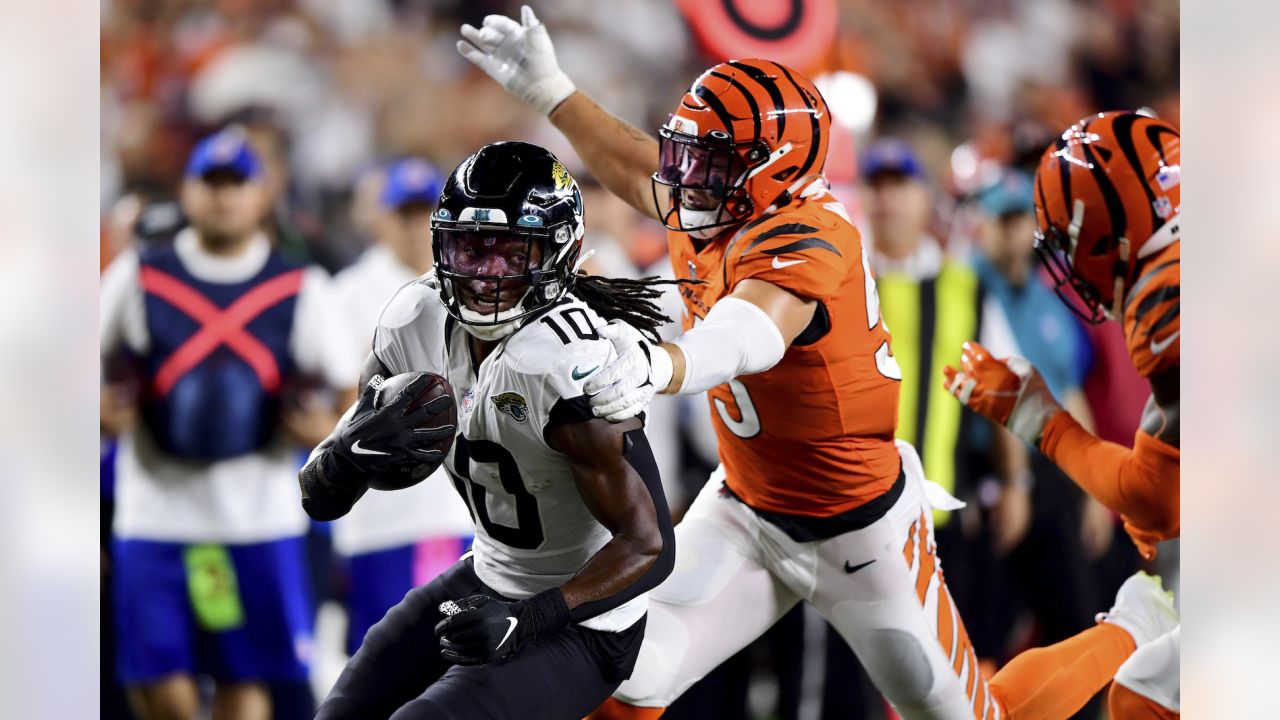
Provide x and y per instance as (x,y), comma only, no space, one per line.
(1141,484)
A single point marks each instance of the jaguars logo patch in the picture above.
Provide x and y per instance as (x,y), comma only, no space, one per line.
(512,404)
(560,176)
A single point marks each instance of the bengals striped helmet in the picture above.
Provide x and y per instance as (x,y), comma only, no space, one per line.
(1103,190)
(744,134)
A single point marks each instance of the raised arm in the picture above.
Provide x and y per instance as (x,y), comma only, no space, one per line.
(1142,483)
(621,156)
(521,58)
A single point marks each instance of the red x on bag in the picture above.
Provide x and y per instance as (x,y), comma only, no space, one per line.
(220,326)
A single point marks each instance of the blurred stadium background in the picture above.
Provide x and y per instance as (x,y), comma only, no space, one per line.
(331,91)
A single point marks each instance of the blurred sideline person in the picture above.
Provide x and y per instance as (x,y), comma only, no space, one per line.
(545,616)
(1050,572)
(395,542)
(815,500)
(1108,204)
(208,554)
(927,297)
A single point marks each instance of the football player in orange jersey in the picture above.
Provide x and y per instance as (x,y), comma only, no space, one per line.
(1107,204)
(814,500)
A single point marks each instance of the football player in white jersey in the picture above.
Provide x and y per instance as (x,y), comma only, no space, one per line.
(546,615)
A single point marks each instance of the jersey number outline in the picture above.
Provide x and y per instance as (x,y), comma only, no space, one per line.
(527,534)
(584,331)
(749,424)
(886,364)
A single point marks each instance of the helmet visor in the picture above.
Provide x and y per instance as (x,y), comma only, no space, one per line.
(704,180)
(708,172)
(489,270)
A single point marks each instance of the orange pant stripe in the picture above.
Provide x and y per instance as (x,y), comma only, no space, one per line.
(909,549)
(946,622)
(927,564)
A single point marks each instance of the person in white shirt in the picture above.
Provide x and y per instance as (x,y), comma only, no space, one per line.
(207,549)
(395,542)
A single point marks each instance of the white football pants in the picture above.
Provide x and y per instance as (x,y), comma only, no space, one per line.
(1154,670)
(881,587)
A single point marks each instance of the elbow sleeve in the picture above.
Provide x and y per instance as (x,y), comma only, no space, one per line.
(736,338)
(327,492)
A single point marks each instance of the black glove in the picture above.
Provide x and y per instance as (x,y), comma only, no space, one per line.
(385,440)
(376,442)
(480,629)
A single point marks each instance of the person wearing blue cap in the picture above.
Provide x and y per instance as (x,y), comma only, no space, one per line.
(223,192)
(394,541)
(898,202)
(207,544)
(409,194)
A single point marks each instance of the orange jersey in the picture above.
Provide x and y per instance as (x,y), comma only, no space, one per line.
(1151,319)
(813,435)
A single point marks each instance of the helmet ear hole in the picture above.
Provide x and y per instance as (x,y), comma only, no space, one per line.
(1101,247)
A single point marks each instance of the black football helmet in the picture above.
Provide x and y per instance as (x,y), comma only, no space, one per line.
(506,237)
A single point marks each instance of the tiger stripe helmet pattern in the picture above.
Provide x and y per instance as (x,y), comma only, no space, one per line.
(1102,191)
(743,135)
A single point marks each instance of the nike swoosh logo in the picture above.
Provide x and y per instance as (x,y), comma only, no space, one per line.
(579,374)
(778,263)
(1159,347)
(513,622)
(355,448)
(851,569)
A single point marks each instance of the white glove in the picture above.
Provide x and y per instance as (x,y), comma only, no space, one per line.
(625,386)
(520,57)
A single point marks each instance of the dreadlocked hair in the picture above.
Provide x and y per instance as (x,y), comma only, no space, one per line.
(631,301)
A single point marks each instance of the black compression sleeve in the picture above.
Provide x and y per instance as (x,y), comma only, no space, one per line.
(329,492)
(639,455)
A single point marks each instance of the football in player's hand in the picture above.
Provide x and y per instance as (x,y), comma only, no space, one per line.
(426,403)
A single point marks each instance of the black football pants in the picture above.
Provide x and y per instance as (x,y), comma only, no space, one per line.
(398,672)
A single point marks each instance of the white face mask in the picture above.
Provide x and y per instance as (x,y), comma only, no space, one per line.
(695,218)
(490,326)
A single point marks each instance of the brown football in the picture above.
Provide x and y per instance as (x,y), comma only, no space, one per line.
(443,415)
